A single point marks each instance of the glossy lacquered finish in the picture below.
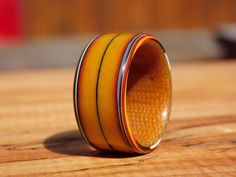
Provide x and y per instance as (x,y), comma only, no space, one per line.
(122,92)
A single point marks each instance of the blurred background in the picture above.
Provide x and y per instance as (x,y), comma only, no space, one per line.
(52,33)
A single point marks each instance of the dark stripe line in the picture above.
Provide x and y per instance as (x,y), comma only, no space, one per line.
(98,75)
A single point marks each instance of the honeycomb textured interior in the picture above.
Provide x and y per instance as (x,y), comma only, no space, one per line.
(148,94)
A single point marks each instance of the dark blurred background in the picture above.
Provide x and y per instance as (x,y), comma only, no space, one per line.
(52,33)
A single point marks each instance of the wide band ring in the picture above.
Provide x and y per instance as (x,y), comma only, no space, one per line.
(122,92)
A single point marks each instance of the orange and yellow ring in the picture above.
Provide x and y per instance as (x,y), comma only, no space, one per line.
(100,91)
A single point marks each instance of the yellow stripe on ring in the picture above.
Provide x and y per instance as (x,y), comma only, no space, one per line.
(107,90)
(87,92)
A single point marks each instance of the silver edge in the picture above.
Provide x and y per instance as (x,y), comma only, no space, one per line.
(76,88)
(120,78)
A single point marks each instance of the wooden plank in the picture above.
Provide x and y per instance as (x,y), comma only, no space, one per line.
(47,18)
(39,135)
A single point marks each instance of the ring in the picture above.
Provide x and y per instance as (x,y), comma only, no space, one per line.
(122,92)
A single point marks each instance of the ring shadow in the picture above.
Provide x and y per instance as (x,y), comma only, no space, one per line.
(72,143)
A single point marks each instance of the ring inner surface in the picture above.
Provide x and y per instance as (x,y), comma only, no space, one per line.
(148,94)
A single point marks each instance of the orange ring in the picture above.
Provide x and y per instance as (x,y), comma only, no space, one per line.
(122,92)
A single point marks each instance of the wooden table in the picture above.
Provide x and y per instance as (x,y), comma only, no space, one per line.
(39,136)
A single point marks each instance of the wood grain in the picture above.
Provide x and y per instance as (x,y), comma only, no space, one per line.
(39,135)
(48,18)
